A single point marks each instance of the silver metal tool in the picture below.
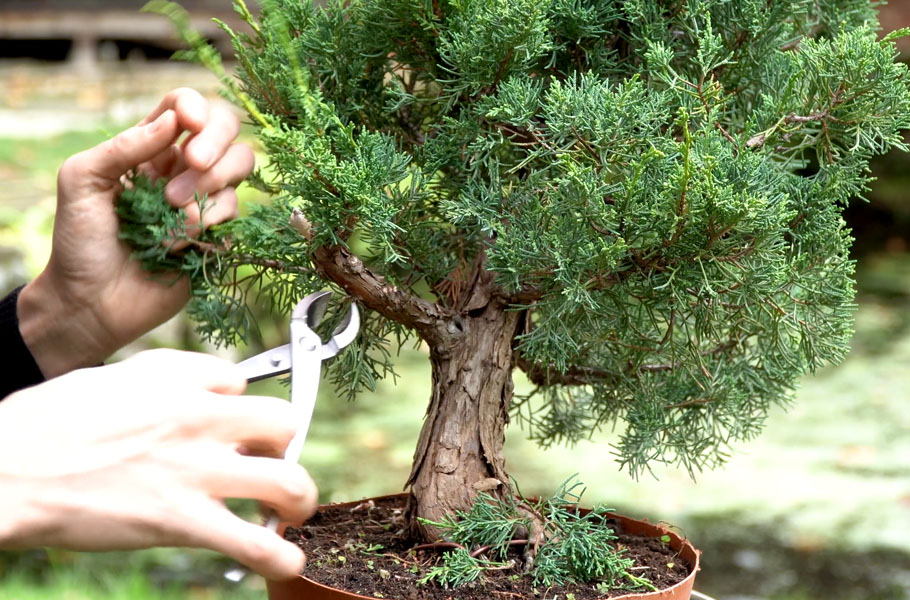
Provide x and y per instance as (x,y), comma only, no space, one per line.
(303,357)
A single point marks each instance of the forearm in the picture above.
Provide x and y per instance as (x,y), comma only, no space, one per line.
(61,338)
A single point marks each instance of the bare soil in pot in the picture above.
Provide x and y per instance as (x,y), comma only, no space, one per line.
(361,548)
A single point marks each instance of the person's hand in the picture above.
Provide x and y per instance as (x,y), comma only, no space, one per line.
(141,453)
(91,299)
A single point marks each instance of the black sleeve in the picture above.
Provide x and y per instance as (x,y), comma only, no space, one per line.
(19,367)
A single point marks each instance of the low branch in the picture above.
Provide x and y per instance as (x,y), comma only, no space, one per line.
(541,375)
(728,137)
(339,265)
(526,296)
(271,264)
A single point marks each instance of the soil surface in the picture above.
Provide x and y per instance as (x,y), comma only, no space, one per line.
(363,549)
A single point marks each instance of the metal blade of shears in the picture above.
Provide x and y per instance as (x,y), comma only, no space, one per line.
(270,363)
(277,361)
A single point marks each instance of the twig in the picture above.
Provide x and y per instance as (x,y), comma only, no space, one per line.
(727,135)
(439,546)
(477,552)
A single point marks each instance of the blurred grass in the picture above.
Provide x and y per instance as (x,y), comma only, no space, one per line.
(81,585)
(828,476)
(42,157)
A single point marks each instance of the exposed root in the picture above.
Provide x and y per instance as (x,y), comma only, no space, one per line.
(535,536)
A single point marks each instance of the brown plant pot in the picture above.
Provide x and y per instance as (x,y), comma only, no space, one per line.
(302,588)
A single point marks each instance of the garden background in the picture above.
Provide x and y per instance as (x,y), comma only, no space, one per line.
(818,507)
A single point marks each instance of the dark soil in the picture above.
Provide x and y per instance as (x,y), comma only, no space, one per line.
(363,549)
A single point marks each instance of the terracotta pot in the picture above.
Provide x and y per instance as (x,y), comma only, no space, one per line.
(303,588)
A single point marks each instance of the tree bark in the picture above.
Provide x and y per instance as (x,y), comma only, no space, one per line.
(460,451)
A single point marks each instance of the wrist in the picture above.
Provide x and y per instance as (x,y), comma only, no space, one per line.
(59,335)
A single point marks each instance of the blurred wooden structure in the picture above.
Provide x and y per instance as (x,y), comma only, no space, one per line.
(85,24)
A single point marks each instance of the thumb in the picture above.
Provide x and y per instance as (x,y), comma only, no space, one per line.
(111,159)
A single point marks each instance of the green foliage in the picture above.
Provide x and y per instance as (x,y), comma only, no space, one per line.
(153,229)
(575,547)
(490,522)
(578,548)
(458,568)
(658,185)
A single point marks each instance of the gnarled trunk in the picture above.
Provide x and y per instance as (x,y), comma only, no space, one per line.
(460,447)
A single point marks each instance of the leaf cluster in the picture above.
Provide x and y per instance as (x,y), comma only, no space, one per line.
(240,267)
(656,185)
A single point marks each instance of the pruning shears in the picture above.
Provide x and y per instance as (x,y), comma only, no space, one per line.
(303,357)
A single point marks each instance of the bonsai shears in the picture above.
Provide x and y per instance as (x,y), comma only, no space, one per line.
(303,357)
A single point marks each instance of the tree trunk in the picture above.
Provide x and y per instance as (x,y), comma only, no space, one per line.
(460,448)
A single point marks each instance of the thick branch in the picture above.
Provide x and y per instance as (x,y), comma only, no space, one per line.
(340,265)
(549,375)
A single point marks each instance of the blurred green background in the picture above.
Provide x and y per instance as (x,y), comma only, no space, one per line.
(818,507)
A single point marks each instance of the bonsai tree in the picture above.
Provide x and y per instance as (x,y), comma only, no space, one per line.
(637,203)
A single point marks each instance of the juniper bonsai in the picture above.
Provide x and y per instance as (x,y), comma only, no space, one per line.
(637,203)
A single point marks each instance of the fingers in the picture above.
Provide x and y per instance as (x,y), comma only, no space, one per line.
(109,160)
(284,487)
(214,126)
(188,368)
(213,129)
(166,164)
(262,550)
(231,168)
(261,425)
(217,208)
(188,105)
(209,145)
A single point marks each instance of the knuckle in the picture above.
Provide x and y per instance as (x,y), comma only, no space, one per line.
(298,495)
(71,170)
(185,93)
(121,144)
(227,198)
(229,120)
(190,424)
(245,152)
